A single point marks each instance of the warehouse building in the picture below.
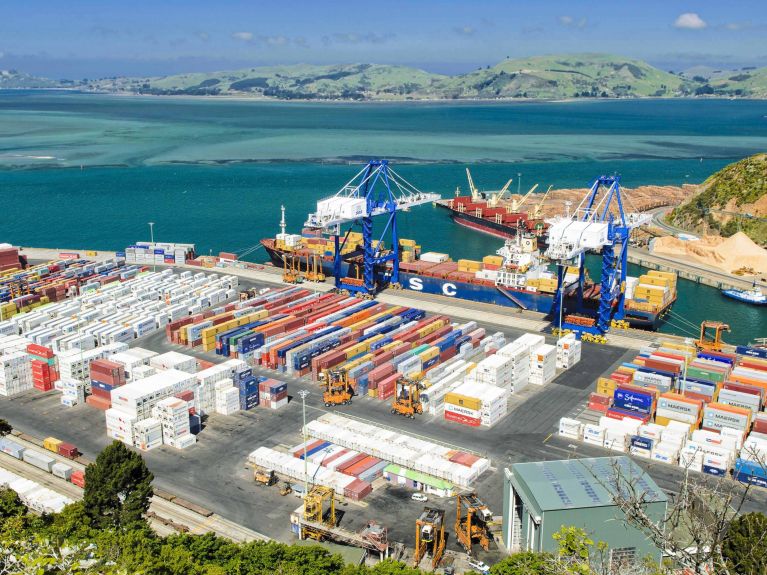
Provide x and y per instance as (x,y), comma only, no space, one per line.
(542,497)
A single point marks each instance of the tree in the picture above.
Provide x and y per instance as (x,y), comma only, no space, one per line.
(525,563)
(5,428)
(118,487)
(745,546)
(10,504)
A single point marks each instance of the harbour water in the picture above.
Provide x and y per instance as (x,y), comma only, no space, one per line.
(90,171)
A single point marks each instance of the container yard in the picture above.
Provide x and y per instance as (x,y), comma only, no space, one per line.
(702,410)
(205,375)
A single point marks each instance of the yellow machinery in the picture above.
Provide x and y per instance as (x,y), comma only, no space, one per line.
(314,271)
(472,518)
(407,397)
(265,477)
(291,272)
(715,343)
(538,209)
(338,390)
(320,509)
(286,489)
(517,203)
(430,536)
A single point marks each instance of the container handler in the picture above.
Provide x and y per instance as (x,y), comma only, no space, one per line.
(407,398)
(338,390)
(472,522)
(265,477)
(430,536)
(715,342)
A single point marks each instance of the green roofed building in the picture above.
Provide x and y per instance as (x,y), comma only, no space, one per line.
(540,498)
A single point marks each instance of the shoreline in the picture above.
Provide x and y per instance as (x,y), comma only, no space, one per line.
(377,101)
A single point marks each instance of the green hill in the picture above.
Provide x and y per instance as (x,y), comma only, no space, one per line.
(13,80)
(571,76)
(733,198)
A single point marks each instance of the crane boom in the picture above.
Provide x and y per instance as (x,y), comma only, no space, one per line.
(537,210)
(472,188)
(516,205)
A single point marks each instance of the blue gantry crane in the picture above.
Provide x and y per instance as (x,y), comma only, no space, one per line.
(376,190)
(599,223)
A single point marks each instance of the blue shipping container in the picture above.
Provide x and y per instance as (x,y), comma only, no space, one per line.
(750,468)
(633,401)
(714,470)
(751,351)
(643,442)
(320,447)
(249,401)
(744,477)
(195,424)
(100,385)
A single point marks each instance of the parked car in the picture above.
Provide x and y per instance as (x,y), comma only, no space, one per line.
(479,566)
(420,497)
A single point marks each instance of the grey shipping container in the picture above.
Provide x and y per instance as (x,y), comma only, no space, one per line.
(39,460)
(61,470)
(11,448)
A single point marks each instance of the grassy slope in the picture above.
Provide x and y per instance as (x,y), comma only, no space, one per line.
(732,188)
(752,83)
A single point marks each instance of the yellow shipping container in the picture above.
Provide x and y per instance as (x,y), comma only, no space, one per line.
(463,400)
(409,243)
(493,260)
(52,444)
(654,281)
(373,392)
(668,275)
(664,421)
(469,265)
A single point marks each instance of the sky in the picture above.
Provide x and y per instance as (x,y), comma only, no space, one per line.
(99,38)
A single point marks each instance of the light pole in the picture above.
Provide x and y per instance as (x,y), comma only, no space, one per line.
(151,241)
(303,393)
(519,182)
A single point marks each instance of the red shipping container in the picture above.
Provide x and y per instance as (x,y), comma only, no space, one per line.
(465,459)
(464,419)
(698,396)
(185,395)
(40,351)
(447,354)
(361,466)
(309,447)
(351,462)
(612,414)
(327,460)
(753,364)
(68,450)
(600,398)
(357,490)
(78,478)
(600,407)
(43,385)
(744,388)
(102,403)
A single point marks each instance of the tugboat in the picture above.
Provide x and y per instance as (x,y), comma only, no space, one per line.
(754,296)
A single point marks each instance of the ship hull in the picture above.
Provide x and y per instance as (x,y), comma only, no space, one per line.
(514,298)
(486,226)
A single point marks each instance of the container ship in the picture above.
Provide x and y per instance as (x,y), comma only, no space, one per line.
(492,214)
(514,277)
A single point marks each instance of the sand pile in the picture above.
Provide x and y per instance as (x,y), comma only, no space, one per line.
(727,254)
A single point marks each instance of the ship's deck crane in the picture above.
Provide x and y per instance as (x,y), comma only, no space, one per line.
(376,190)
(516,204)
(538,209)
(430,536)
(472,522)
(599,223)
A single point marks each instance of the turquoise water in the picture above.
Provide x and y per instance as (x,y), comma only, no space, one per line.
(91,171)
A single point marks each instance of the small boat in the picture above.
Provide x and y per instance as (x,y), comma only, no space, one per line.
(753,296)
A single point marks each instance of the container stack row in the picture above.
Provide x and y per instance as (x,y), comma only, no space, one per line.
(702,410)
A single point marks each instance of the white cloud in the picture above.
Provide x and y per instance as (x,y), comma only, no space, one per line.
(355,38)
(243,36)
(690,21)
(465,30)
(571,22)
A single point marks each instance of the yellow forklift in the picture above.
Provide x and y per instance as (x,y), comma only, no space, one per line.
(407,397)
(314,271)
(430,536)
(338,390)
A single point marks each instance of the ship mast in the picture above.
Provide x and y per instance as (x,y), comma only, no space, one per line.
(283,225)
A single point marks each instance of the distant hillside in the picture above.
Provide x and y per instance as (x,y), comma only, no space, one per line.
(551,77)
(733,198)
(12,79)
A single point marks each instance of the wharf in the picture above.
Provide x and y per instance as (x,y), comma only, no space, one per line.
(688,270)
(491,314)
